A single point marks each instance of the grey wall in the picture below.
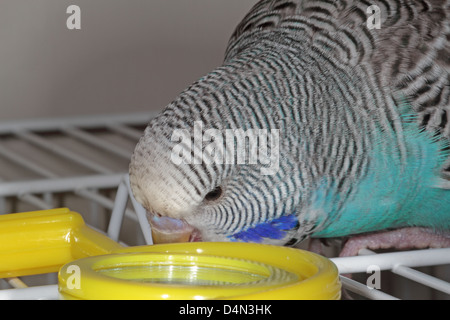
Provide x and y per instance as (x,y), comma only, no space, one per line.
(130,55)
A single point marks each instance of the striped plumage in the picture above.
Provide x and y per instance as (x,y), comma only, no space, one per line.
(363,120)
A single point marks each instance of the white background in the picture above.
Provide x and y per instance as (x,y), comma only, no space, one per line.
(130,55)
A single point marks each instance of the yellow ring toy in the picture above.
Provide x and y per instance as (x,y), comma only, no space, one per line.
(201,270)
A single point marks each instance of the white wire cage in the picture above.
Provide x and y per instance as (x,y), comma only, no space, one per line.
(82,163)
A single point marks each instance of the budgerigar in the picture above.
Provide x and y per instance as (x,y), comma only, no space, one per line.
(351,100)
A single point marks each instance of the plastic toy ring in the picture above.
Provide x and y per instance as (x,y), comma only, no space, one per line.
(202,270)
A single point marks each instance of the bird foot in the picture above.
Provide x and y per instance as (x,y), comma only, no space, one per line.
(400,239)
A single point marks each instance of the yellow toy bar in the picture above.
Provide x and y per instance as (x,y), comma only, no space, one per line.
(42,241)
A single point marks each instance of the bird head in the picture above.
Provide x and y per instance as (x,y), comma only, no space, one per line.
(213,168)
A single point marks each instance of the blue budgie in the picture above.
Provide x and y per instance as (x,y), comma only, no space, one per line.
(327,119)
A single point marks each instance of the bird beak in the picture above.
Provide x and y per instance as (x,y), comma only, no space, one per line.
(169,230)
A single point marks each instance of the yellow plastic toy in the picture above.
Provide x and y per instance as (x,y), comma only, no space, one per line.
(202,271)
(92,266)
(42,241)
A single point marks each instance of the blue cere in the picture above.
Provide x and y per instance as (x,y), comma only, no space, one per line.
(274,229)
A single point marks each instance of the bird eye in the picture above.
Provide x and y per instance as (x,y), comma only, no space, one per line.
(214,195)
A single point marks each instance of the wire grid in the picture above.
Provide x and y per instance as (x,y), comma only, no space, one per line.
(82,163)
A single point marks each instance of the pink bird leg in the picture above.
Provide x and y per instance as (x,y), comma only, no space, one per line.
(400,239)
